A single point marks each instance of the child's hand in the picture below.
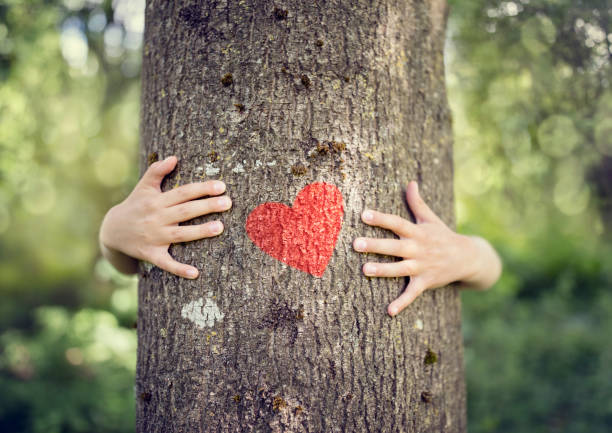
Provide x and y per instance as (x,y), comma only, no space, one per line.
(145,224)
(433,255)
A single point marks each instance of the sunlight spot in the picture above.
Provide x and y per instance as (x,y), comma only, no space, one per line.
(509,9)
(130,13)
(74,4)
(113,40)
(594,33)
(96,21)
(73,44)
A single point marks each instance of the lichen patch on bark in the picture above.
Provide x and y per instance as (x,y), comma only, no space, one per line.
(239,168)
(203,313)
(418,324)
(211,170)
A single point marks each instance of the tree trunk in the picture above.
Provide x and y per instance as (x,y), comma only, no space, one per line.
(272,97)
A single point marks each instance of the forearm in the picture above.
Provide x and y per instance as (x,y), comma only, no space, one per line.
(122,262)
(486,266)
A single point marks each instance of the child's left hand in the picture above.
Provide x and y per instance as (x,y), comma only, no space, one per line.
(433,255)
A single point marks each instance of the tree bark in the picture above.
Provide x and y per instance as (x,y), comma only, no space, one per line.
(271,97)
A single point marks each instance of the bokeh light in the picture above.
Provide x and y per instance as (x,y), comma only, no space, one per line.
(537,34)
(74,43)
(558,136)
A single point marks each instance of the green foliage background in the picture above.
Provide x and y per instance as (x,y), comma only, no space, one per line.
(529,85)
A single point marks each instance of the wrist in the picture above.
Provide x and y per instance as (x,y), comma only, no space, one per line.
(104,235)
(473,258)
(121,261)
(483,267)
(469,251)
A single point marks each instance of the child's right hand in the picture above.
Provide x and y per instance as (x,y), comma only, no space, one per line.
(145,224)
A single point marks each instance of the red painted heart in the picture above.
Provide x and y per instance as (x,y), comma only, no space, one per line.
(302,236)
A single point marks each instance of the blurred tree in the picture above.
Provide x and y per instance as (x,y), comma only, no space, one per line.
(68,135)
(530,90)
(534,80)
(271,99)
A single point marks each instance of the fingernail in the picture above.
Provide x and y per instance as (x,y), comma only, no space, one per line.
(225,201)
(218,187)
(191,273)
(369,269)
(360,244)
(367,215)
(392,311)
(168,159)
(217,227)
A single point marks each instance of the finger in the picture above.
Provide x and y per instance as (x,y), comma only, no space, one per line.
(419,208)
(195,232)
(395,223)
(167,263)
(157,171)
(192,191)
(394,269)
(390,247)
(195,208)
(412,291)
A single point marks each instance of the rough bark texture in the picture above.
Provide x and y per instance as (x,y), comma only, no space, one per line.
(270,97)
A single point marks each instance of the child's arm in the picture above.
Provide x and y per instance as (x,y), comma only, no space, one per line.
(143,226)
(433,255)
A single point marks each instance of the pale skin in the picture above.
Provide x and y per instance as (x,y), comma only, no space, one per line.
(432,254)
(146,223)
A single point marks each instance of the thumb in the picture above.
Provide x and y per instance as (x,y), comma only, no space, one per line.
(419,208)
(167,263)
(411,292)
(157,171)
